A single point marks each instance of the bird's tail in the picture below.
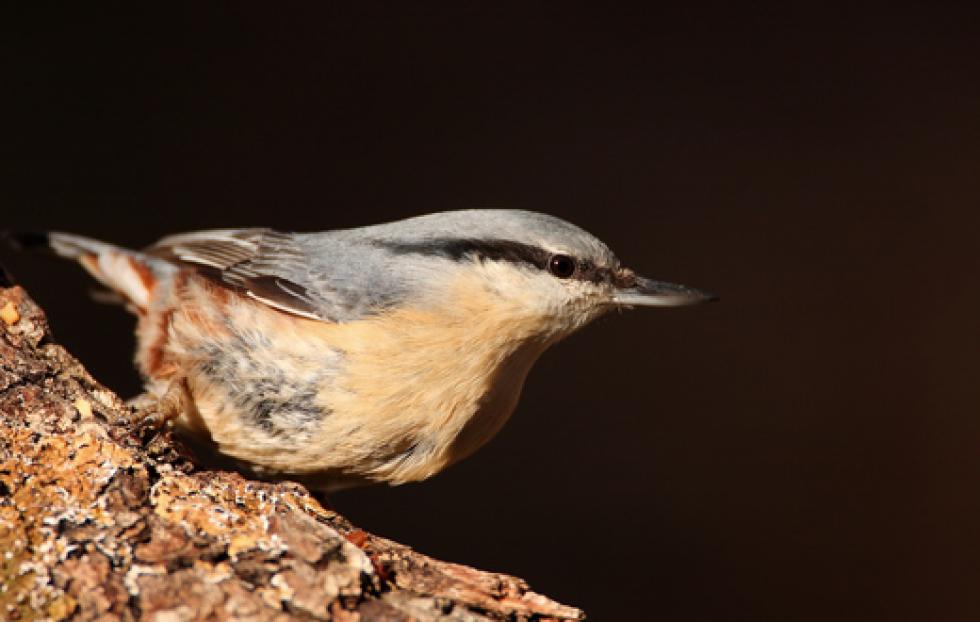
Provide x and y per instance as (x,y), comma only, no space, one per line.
(129,273)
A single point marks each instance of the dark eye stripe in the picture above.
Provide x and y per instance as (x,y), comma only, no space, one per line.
(498,250)
(457,249)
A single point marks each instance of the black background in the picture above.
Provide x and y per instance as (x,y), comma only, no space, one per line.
(806,449)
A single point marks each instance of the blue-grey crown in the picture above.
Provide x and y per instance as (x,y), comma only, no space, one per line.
(496,234)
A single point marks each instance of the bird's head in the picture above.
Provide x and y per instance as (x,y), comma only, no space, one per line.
(538,268)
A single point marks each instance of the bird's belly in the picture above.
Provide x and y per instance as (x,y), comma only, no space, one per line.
(279,411)
(393,398)
(424,398)
(497,404)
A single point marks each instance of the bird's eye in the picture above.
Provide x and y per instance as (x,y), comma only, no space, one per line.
(561,266)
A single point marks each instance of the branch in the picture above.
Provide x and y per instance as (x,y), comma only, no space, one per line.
(103,518)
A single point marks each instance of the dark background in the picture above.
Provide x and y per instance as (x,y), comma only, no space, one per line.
(805,450)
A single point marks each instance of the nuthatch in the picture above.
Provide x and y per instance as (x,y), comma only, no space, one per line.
(377,354)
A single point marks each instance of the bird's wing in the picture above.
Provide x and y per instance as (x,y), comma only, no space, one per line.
(266,265)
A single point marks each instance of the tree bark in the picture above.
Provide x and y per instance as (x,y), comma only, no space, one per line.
(103,517)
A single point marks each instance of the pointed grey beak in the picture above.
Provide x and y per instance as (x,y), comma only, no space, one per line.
(650,293)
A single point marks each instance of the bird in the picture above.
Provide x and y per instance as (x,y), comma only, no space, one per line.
(378,354)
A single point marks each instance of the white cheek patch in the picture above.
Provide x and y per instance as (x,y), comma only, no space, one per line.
(531,289)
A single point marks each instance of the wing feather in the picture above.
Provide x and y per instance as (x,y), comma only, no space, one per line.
(262,263)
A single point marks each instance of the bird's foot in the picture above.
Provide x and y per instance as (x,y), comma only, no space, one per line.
(153,413)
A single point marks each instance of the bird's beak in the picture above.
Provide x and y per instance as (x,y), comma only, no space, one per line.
(649,293)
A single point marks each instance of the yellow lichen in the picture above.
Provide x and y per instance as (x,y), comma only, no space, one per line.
(84,407)
(62,607)
(236,516)
(9,313)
